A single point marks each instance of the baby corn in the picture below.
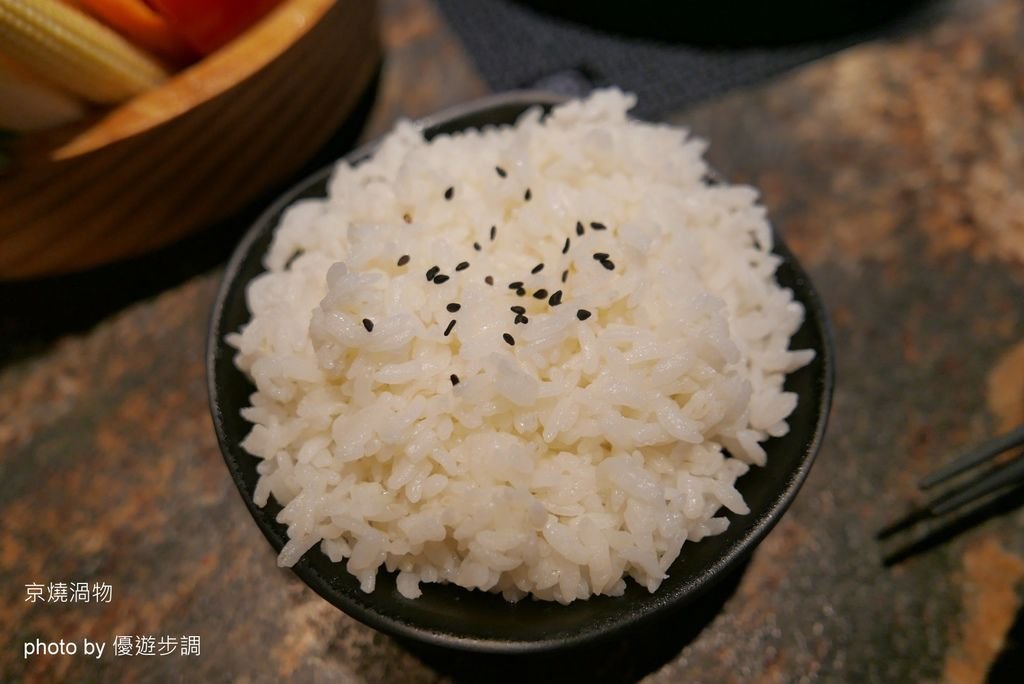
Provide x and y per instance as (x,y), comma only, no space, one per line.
(74,51)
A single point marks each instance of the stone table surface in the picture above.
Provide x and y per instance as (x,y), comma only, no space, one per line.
(895,171)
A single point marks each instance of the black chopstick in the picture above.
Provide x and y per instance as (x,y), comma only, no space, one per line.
(993,479)
(983,485)
(980,454)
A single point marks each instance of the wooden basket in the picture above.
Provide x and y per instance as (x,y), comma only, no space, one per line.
(192,152)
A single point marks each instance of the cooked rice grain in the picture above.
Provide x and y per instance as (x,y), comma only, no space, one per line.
(591,450)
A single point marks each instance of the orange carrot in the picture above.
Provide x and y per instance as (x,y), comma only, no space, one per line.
(137,22)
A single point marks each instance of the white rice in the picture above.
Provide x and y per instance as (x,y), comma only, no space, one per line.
(588,452)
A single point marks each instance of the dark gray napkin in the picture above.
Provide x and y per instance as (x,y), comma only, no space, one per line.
(517,45)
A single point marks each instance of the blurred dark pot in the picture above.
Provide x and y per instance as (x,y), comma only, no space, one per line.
(730,23)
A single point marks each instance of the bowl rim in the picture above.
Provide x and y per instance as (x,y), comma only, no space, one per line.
(209,77)
(709,575)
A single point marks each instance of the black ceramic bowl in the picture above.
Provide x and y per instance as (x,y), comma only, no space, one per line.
(473,620)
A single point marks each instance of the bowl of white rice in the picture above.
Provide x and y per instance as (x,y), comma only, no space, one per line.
(518,376)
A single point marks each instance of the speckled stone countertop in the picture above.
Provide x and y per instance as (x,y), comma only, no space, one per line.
(895,170)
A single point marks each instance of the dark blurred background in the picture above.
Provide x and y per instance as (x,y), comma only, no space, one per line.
(670,54)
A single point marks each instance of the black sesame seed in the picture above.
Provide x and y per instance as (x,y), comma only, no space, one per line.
(454,379)
(463,265)
(494,232)
(527,195)
(501,171)
(565,248)
(540,294)
(565,275)
(520,292)
(448,330)
(608,263)
(368,324)
(521,319)
(489,280)
(449,193)
(600,256)
(598,226)
(516,285)
(433,271)
(537,269)
(476,246)
(582,314)
(555,299)
(517,309)
(440,279)
(403,260)
(508,338)
(579,228)
(453,307)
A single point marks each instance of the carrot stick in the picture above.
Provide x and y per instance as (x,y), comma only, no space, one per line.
(137,22)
